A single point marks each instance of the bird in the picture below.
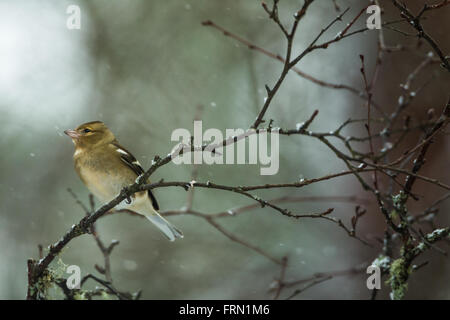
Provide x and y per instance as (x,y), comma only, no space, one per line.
(105,167)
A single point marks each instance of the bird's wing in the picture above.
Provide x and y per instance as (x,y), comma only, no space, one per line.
(134,165)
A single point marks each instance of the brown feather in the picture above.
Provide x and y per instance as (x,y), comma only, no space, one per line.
(134,165)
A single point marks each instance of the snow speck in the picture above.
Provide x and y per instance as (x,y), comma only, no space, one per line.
(388,145)
(58,131)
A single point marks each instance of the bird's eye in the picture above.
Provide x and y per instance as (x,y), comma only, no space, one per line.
(87,130)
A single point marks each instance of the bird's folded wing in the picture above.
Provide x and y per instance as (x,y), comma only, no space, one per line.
(134,165)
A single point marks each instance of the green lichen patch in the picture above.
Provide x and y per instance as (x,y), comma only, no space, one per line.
(398,277)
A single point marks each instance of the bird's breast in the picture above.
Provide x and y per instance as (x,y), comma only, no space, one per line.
(102,177)
(103,184)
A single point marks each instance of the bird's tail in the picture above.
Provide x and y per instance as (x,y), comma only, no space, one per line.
(143,206)
(169,230)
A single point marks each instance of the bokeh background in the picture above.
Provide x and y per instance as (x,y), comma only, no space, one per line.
(144,67)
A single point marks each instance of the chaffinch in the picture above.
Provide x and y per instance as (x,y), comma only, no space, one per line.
(106,167)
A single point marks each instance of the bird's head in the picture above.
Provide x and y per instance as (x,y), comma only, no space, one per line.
(91,134)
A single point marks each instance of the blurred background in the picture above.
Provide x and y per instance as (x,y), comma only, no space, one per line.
(144,67)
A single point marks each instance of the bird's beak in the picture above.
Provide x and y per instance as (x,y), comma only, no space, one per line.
(73,134)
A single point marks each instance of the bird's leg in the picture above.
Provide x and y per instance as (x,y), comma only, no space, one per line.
(125,191)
